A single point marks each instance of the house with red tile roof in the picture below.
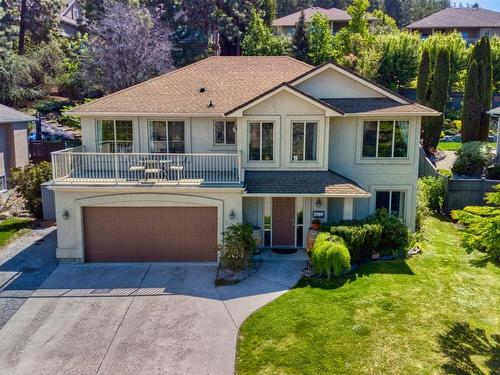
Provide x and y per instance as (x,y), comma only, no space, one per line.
(167,165)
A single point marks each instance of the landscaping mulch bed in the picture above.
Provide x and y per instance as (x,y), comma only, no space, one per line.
(225,276)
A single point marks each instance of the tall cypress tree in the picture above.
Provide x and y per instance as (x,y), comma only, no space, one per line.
(438,99)
(300,43)
(424,72)
(269,8)
(471,112)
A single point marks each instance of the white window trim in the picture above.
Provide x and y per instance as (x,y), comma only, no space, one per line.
(413,131)
(304,122)
(148,124)
(3,183)
(215,144)
(115,119)
(407,189)
(260,122)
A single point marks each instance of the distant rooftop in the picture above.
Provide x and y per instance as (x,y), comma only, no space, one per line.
(450,18)
(9,115)
(333,14)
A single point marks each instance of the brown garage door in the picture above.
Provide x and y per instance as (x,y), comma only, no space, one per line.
(149,234)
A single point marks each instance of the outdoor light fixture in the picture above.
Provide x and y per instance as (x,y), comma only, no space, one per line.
(232,215)
(318,203)
(65,215)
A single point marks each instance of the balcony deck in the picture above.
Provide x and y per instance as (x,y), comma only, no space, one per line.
(73,166)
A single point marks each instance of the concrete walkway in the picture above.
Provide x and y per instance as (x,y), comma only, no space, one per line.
(138,318)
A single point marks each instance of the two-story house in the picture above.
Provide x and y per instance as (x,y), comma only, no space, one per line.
(168,164)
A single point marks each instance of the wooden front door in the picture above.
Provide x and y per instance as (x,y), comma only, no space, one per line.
(284,221)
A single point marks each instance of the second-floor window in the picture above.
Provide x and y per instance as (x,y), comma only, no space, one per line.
(224,133)
(385,139)
(166,136)
(115,136)
(260,141)
(304,141)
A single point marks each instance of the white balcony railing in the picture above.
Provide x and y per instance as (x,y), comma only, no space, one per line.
(77,167)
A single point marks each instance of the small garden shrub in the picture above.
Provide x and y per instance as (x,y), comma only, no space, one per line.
(493,172)
(431,192)
(330,255)
(473,158)
(28,181)
(395,238)
(238,247)
(362,240)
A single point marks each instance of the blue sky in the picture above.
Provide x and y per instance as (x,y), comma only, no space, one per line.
(488,4)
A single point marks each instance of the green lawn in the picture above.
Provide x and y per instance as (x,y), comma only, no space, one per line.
(454,146)
(11,227)
(434,313)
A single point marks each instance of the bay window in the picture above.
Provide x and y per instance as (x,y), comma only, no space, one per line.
(385,139)
(115,136)
(392,200)
(224,133)
(260,141)
(166,136)
(304,141)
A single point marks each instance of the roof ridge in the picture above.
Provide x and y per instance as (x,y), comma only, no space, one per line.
(141,83)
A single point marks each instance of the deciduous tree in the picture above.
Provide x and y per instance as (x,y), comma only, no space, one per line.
(259,39)
(320,40)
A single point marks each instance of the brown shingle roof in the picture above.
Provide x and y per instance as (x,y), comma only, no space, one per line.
(228,81)
(9,115)
(459,17)
(333,15)
(301,182)
(377,106)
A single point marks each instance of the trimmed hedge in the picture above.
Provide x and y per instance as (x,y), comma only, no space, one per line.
(330,255)
(362,240)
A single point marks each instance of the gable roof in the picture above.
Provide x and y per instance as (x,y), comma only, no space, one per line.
(227,81)
(333,14)
(458,17)
(372,106)
(10,115)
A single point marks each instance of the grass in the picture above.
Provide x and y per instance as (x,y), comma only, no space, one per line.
(434,313)
(454,146)
(11,227)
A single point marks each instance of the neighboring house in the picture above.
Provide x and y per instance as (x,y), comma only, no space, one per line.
(68,19)
(338,19)
(473,23)
(168,164)
(13,142)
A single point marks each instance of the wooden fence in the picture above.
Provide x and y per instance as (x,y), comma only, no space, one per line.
(40,150)
(467,192)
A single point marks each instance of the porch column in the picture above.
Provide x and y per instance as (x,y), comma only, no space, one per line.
(348,211)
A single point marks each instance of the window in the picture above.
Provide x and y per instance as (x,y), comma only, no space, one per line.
(166,136)
(115,136)
(3,182)
(385,139)
(260,146)
(224,133)
(304,141)
(392,200)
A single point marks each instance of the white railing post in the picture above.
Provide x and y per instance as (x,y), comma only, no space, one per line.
(116,167)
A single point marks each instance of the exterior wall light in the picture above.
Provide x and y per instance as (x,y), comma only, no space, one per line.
(65,215)
(232,215)
(318,203)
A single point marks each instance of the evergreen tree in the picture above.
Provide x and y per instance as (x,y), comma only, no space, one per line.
(438,98)
(320,39)
(300,44)
(269,8)
(7,27)
(423,78)
(471,111)
(259,39)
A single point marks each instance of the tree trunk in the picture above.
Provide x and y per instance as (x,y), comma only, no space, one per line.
(22,27)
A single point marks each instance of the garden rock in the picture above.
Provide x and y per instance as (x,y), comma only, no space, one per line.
(226,276)
(413,251)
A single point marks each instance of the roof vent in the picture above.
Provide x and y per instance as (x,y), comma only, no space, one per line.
(210,105)
(202,89)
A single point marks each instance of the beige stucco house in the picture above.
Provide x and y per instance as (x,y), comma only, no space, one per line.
(168,164)
(13,142)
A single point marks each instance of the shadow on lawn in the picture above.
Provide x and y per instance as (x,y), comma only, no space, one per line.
(462,343)
(394,267)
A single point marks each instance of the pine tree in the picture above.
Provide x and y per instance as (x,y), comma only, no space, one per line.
(438,98)
(300,44)
(269,8)
(7,28)
(471,111)
(423,78)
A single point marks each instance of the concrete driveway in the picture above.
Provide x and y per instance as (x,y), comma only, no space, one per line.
(137,319)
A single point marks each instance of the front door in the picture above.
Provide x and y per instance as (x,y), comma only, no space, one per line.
(284,221)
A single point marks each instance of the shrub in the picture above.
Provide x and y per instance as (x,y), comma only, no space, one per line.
(330,255)
(28,181)
(493,172)
(238,247)
(395,238)
(473,158)
(445,172)
(431,193)
(362,240)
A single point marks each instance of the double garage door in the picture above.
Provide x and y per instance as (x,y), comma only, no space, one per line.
(150,234)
